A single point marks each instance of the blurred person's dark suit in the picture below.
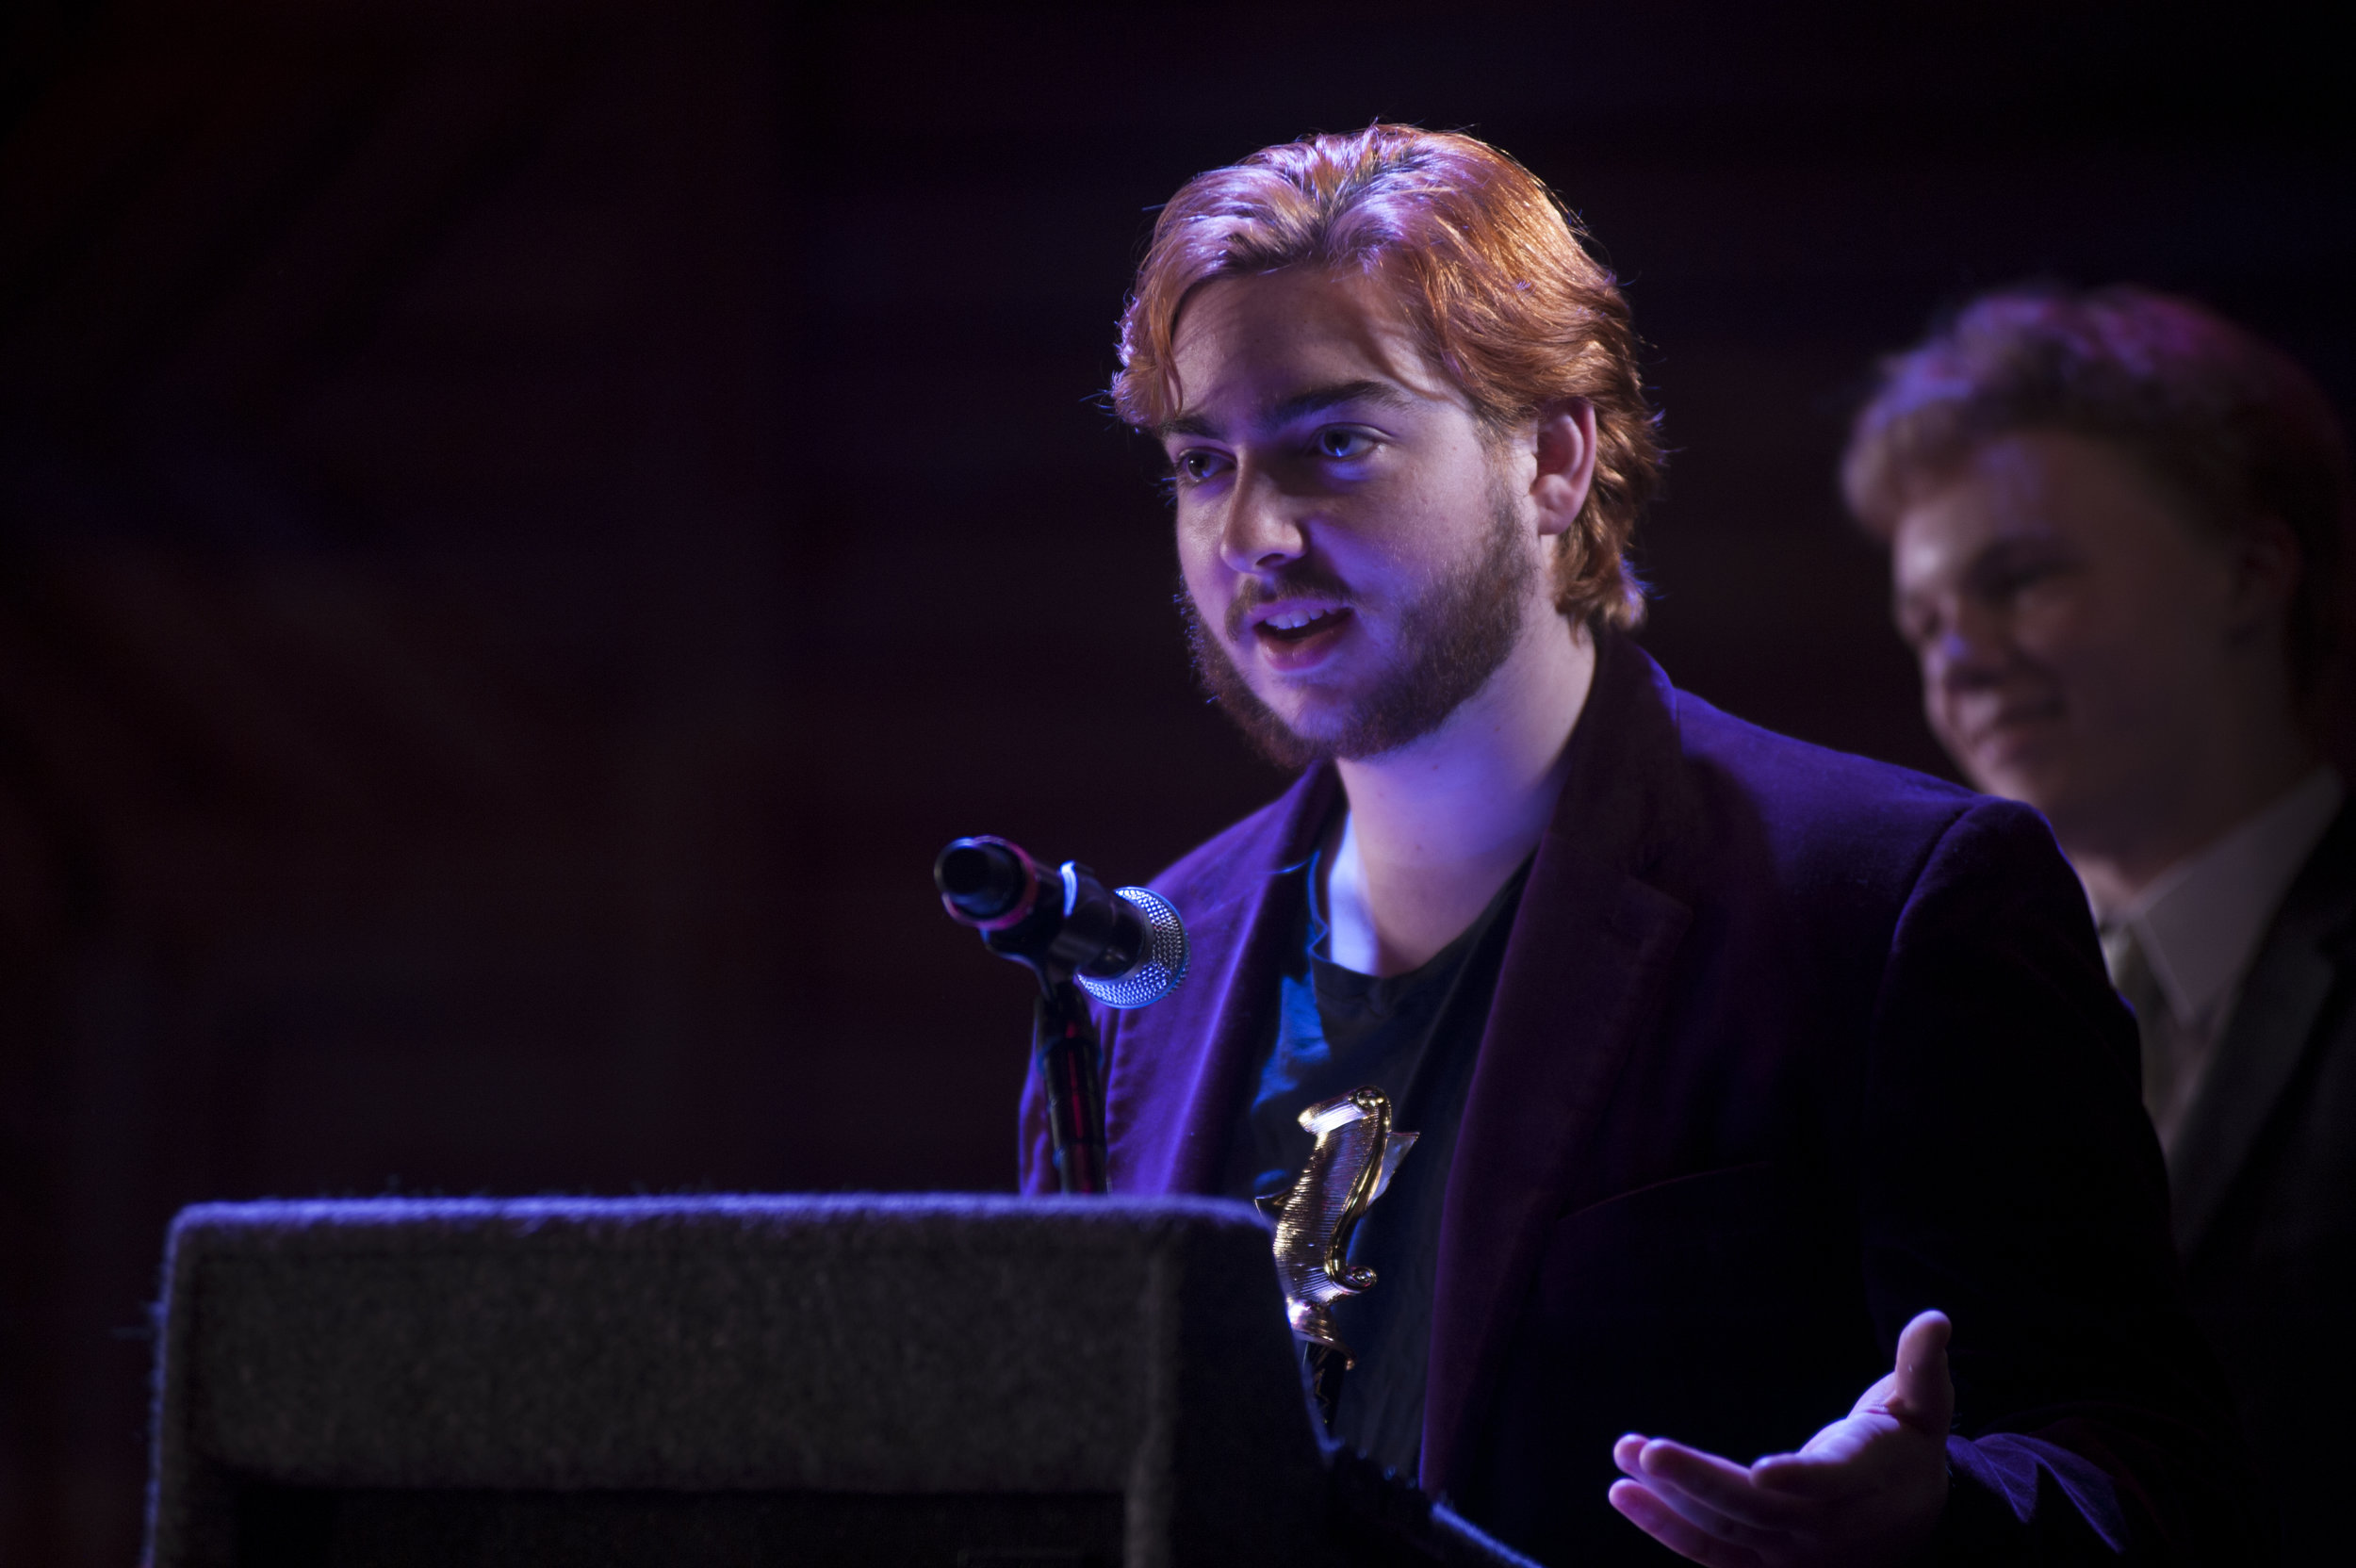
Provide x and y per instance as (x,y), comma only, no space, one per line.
(2117,523)
(2263,1174)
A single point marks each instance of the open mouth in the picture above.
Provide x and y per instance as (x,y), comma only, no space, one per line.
(1297,625)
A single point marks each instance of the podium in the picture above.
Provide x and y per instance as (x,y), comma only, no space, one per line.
(967,1381)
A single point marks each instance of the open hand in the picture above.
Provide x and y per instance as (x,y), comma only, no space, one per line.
(1867,1490)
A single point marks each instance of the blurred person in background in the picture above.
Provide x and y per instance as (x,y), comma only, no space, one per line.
(2116,524)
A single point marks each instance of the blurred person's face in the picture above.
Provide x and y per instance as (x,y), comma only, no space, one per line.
(2077,632)
(1356,561)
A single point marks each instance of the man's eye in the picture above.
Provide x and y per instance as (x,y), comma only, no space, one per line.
(1197,464)
(2009,580)
(1343,443)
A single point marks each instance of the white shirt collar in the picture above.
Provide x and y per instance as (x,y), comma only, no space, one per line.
(2199,924)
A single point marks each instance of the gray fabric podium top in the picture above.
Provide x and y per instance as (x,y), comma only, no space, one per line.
(1131,1351)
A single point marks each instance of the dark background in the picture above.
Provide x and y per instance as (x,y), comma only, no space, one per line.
(523,525)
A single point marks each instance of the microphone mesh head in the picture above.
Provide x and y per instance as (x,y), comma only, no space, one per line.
(1159,967)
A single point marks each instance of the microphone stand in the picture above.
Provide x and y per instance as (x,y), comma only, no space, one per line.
(1069,1063)
(1057,922)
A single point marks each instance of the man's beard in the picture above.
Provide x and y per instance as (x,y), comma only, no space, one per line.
(1451,639)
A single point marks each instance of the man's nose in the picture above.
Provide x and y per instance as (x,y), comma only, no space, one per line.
(1264,529)
(1971,651)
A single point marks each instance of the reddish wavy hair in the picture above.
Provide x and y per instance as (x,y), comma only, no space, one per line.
(1490,272)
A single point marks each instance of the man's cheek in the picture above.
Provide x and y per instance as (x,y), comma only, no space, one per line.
(1938,704)
(2058,633)
(1210,585)
(1950,737)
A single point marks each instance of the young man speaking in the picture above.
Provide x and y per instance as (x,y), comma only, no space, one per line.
(1760,1092)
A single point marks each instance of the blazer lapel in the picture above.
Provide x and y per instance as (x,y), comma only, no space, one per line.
(2270,1030)
(1582,980)
(1192,1049)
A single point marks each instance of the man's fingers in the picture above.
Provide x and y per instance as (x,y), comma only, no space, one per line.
(1926,1397)
(1628,1454)
(1719,1488)
(1641,1507)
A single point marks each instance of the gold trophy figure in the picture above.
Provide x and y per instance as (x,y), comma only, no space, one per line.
(1351,1166)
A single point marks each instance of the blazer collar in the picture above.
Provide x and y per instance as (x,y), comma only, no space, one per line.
(1584,973)
(1245,934)
(2270,1032)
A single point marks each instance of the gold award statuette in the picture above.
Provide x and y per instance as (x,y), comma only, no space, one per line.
(1355,1154)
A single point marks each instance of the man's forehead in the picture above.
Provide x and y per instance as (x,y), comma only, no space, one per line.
(1267,349)
(2023,485)
(1279,408)
(1960,528)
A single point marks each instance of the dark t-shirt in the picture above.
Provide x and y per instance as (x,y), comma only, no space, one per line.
(1415,1036)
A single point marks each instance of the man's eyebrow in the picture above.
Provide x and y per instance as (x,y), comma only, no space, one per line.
(1320,398)
(1315,400)
(2010,553)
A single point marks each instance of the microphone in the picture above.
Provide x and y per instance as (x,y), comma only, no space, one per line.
(1127,947)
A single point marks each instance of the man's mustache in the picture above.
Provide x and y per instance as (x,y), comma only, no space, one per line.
(1295,583)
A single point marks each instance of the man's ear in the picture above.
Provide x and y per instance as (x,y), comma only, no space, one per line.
(1564,441)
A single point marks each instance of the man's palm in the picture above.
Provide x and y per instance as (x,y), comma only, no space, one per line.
(1866,1490)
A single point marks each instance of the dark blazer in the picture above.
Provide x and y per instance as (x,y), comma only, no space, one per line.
(1786,1046)
(2264,1177)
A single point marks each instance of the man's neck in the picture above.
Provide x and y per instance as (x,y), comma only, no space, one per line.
(2119,865)
(1435,828)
